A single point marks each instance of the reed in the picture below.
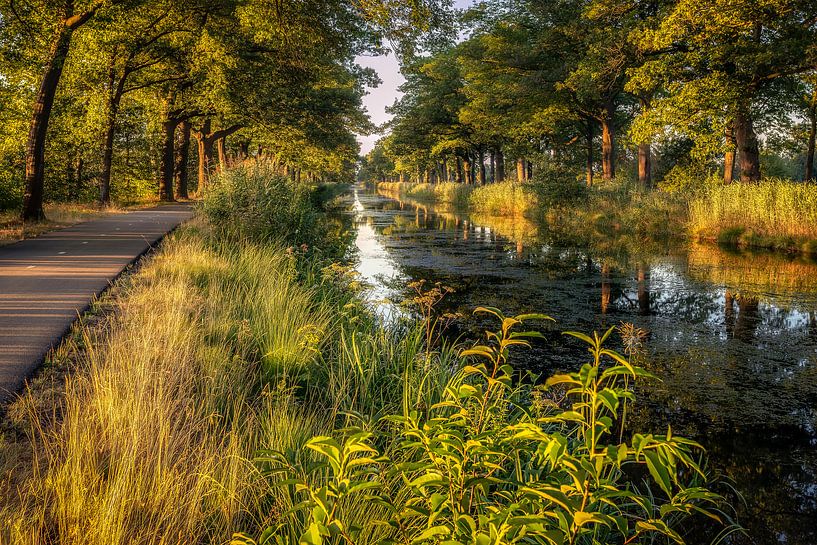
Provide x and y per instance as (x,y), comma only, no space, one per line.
(773,213)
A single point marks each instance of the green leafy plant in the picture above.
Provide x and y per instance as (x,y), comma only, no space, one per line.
(488,464)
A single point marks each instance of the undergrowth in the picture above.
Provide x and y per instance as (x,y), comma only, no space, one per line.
(244,389)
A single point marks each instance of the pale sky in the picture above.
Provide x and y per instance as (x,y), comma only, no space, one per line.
(379,98)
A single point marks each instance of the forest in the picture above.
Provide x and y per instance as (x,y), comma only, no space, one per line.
(123,100)
(669,93)
(568,297)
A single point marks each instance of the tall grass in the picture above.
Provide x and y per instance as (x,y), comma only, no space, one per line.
(504,199)
(442,193)
(188,417)
(770,213)
(153,440)
(499,199)
(221,348)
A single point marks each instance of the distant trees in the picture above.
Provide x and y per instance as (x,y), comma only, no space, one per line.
(580,85)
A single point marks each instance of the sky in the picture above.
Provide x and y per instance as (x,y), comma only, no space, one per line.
(379,98)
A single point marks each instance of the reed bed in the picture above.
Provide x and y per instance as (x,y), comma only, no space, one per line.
(500,199)
(772,213)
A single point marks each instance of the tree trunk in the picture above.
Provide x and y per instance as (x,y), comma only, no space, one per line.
(644,153)
(492,160)
(206,140)
(500,166)
(221,147)
(589,144)
(481,169)
(729,155)
(182,157)
(168,156)
(645,165)
(520,170)
(466,167)
(748,152)
(35,146)
(811,137)
(80,172)
(114,99)
(608,143)
(459,170)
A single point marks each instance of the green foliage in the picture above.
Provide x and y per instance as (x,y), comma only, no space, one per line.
(689,178)
(556,186)
(254,202)
(495,461)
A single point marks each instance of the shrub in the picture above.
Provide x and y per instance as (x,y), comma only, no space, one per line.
(255,202)
(689,178)
(494,461)
(556,186)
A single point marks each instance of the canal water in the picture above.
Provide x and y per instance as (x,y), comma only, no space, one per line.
(733,336)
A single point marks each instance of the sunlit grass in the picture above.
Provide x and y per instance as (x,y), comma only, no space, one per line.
(57,216)
(157,431)
(499,199)
(219,349)
(772,213)
(223,349)
(503,199)
(443,192)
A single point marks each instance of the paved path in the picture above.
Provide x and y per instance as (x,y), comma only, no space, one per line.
(46,281)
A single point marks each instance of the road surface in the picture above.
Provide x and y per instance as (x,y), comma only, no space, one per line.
(45,282)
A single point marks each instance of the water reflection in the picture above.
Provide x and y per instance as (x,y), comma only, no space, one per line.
(733,336)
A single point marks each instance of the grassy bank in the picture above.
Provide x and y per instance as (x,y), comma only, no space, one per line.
(775,214)
(508,199)
(241,388)
(772,214)
(617,214)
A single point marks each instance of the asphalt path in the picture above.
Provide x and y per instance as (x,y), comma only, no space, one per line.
(46,282)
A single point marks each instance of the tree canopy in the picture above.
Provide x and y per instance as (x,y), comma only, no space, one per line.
(655,85)
(103,97)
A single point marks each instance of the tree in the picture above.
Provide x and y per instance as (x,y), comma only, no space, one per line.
(723,65)
(61,19)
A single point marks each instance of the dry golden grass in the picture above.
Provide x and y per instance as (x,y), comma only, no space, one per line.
(772,213)
(58,216)
(155,433)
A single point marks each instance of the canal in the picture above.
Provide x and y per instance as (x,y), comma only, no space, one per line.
(733,336)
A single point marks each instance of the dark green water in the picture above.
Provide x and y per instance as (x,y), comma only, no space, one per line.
(732,336)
